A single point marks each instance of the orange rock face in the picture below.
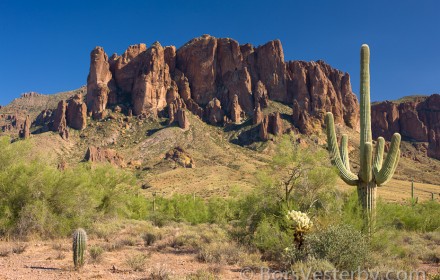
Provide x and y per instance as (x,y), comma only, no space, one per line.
(59,123)
(99,83)
(99,154)
(151,85)
(235,110)
(25,133)
(416,120)
(76,113)
(258,115)
(182,119)
(210,74)
(318,89)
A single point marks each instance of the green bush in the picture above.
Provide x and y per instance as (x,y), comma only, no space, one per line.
(422,217)
(271,240)
(38,199)
(96,253)
(342,245)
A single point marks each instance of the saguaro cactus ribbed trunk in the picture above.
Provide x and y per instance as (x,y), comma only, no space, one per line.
(371,174)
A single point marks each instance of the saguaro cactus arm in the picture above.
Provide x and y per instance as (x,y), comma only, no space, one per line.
(344,151)
(385,173)
(379,153)
(346,175)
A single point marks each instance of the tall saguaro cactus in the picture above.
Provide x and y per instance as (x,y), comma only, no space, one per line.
(372,173)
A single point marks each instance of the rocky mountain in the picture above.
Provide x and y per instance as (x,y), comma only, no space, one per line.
(416,119)
(218,80)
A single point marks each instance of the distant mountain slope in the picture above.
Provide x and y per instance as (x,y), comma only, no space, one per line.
(33,103)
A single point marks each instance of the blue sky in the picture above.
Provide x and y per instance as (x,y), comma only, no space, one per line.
(45,45)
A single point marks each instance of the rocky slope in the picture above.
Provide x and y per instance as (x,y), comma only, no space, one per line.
(39,107)
(416,119)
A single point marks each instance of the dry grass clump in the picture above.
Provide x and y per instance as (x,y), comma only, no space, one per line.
(137,261)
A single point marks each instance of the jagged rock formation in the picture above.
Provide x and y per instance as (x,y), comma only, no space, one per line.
(272,124)
(258,114)
(235,110)
(99,154)
(318,88)
(214,112)
(76,113)
(59,122)
(264,131)
(416,120)
(99,84)
(11,123)
(25,133)
(182,119)
(276,124)
(219,80)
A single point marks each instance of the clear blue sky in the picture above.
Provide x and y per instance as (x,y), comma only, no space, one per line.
(45,45)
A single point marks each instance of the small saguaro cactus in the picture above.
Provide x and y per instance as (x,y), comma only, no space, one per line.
(372,173)
(79,247)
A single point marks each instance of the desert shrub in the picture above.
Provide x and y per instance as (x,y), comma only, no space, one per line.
(5,251)
(272,240)
(137,262)
(342,245)
(96,253)
(220,210)
(195,237)
(36,198)
(202,275)
(311,265)
(422,217)
(150,238)
(19,248)
(127,241)
(217,252)
(160,272)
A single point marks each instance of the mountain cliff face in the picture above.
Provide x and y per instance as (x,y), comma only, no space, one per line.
(416,120)
(219,80)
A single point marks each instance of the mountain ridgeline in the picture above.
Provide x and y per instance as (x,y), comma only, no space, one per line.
(222,82)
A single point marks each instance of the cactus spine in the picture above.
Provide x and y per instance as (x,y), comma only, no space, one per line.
(79,247)
(372,173)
